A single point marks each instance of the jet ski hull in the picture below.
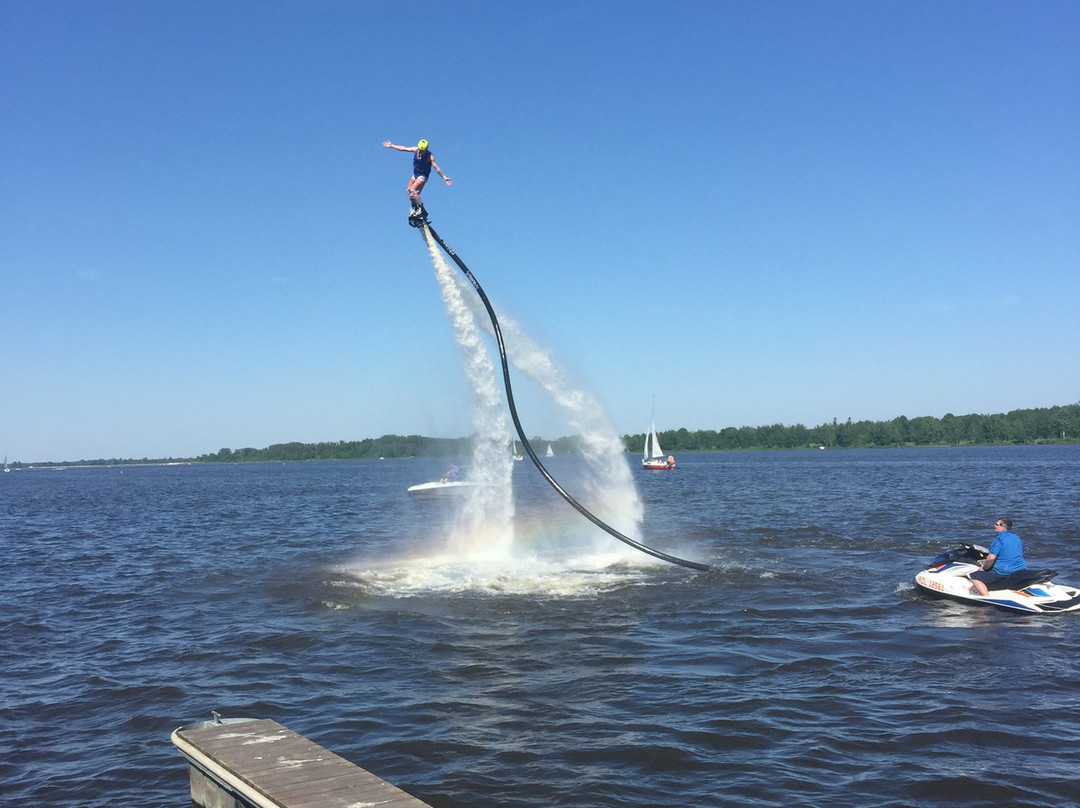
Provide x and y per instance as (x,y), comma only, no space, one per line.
(947,576)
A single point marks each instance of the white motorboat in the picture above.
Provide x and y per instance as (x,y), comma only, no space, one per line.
(441,488)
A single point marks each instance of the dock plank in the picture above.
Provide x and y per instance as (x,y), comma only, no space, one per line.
(287,769)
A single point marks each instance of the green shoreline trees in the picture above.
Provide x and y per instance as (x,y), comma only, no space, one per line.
(1044,425)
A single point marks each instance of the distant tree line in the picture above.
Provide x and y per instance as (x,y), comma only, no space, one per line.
(367,449)
(1045,425)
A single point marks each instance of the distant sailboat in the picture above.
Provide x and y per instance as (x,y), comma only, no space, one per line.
(653,458)
(6,466)
(549,452)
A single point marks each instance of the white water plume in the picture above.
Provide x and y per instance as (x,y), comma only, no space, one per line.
(477,555)
(485,524)
(609,490)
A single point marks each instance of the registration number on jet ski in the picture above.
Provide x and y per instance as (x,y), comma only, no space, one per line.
(930,583)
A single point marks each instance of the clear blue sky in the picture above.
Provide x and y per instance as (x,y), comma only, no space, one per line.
(753,212)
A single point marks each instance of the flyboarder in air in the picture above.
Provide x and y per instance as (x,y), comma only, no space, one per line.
(423,162)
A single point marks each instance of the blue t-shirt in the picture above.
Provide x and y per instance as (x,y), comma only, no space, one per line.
(421,164)
(1009,551)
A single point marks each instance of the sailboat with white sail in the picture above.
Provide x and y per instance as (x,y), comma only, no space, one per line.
(653,458)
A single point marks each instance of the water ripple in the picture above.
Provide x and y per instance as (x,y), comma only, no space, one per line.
(802,669)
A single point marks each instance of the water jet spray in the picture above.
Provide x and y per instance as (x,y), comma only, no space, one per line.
(426,229)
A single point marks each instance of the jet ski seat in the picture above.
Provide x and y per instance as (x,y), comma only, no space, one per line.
(1023,578)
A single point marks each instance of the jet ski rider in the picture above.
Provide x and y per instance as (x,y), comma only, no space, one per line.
(1006,556)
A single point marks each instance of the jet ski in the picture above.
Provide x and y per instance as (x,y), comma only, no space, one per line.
(947,576)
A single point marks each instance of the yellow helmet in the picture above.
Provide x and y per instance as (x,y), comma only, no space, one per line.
(422,145)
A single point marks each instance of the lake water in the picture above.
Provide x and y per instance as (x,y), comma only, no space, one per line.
(801,670)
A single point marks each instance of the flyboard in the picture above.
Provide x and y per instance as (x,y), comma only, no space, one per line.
(419,219)
(418,216)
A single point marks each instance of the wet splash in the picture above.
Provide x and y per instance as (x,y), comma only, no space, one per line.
(480,549)
(485,523)
(531,575)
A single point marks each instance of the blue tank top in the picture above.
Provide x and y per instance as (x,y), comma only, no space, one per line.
(421,164)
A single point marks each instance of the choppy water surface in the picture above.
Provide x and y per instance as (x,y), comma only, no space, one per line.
(802,670)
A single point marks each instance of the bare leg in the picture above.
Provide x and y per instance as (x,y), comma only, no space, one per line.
(416,185)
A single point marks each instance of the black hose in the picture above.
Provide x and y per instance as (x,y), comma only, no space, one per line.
(521,432)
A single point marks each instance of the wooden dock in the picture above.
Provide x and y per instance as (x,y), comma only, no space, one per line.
(258,763)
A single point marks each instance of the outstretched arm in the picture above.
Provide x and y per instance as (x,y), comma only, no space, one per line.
(390,145)
(439,171)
